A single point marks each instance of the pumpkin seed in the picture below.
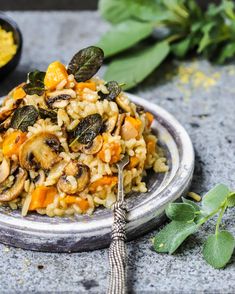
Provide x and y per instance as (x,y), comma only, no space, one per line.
(86,63)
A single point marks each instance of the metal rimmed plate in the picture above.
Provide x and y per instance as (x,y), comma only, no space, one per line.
(81,233)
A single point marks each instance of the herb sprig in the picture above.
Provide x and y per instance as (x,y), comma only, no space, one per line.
(187,218)
(178,27)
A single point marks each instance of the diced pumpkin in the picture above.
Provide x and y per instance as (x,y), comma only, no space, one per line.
(19,93)
(134,161)
(82,203)
(104,181)
(12,143)
(56,73)
(150,145)
(79,87)
(131,128)
(149,118)
(114,148)
(41,197)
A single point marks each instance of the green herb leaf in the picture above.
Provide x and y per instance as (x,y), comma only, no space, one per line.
(24,117)
(218,249)
(35,85)
(195,206)
(87,129)
(180,212)
(86,63)
(214,198)
(123,36)
(114,11)
(173,235)
(231,200)
(227,52)
(134,68)
(44,113)
(113,91)
(181,48)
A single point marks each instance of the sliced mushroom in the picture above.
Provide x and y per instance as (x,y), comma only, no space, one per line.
(58,101)
(110,123)
(121,118)
(124,104)
(5,124)
(75,179)
(6,111)
(40,151)
(94,146)
(4,169)
(10,193)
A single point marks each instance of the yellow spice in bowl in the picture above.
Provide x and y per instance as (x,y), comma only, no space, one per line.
(7,47)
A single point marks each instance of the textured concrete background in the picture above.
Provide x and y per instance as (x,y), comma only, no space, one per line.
(201,96)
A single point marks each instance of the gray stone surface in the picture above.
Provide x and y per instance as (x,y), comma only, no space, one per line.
(208,115)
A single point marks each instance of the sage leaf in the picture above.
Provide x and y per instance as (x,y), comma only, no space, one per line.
(113,91)
(114,11)
(44,113)
(86,63)
(193,204)
(24,117)
(136,67)
(87,129)
(180,212)
(35,85)
(123,36)
(173,235)
(218,249)
(231,200)
(214,198)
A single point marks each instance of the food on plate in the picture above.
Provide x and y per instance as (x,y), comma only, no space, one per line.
(7,47)
(62,133)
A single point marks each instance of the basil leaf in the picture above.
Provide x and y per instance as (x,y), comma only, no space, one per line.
(136,67)
(87,129)
(123,36)
(24,117)
(113,91)
(173,235)
(180,212)
(114,11)
(214,198)
(218,249)
(231,200)
(86,63)
(35,83)
(43,113)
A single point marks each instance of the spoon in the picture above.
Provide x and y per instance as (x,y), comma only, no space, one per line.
(117,250)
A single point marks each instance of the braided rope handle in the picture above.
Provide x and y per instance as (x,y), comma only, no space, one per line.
(117,251)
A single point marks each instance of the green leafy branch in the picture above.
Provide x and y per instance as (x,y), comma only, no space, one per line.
(177,27)
(188,217)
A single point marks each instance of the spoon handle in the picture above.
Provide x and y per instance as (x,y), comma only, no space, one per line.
(117,251)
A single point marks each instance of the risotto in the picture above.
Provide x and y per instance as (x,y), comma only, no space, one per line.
(62,133)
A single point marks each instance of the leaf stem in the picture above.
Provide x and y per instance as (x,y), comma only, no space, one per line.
(173,38)
(220,218)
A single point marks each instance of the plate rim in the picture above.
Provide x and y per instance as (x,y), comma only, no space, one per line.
(136,216)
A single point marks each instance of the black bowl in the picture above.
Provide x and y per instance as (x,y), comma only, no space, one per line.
(9,25)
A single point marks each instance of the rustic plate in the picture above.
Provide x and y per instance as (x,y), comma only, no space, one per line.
(81,233)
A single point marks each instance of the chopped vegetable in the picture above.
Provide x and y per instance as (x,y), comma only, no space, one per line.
(79,87)
(82,203)
(151,145)
(19,93)
(134,161)
(110,152)
(105,181)
(56,73)
(12,142)
(149,118)
(41,197)
(131,128)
